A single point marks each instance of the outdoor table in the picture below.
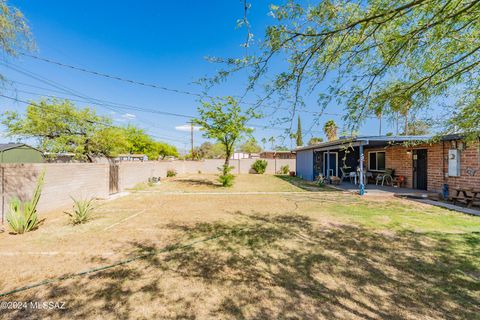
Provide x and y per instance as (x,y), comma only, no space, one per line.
(469,200)
(366,175)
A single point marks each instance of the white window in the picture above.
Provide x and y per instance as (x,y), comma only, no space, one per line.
(376,161)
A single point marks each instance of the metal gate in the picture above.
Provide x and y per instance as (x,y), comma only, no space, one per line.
(113,179)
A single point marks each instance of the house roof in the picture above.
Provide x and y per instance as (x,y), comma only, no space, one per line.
(8,146)
(377,139)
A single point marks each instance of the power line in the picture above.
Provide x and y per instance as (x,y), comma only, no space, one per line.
(108,104)
(112,104)
(102,74)
(52,110)
(89,121)
(109,76)
(91,100)
(130,107)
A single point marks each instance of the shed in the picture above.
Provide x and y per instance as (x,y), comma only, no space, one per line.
(19,153)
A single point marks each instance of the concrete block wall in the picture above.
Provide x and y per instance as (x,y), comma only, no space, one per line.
(62,180)
(132,173)
(84,180)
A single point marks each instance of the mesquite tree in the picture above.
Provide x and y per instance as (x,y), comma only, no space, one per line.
(370,57)
(224,121)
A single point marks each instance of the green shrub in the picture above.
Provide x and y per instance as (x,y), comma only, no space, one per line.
(226,178)
(22,216)
(171,173)
(82,210)
(285,169)
(260,166)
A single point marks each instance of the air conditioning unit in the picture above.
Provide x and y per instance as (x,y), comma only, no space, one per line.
(453,163)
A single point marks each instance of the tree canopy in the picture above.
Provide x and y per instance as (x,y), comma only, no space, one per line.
(208,150)
(370,57)
(250,146)
(14,31)
(224,121)
(330,128)
(314,140)
(298,136)
(59,126)
(466,118)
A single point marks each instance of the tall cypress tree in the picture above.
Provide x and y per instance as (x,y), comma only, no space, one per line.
(299,133)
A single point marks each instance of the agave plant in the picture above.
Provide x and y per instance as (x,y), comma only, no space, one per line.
(82,210)
(22,216)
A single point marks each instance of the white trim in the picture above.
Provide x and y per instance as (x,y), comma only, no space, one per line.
(376,161)
(336,164)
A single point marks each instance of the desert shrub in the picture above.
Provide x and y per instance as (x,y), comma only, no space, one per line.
(22,216)
(226,178)
(171,173)
(285,169)
(260,166)
(82,210)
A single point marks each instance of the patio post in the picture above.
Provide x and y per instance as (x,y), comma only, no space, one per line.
(328,165)
(362,157)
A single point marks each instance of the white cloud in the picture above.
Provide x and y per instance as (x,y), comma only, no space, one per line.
(187,127)
(129,116)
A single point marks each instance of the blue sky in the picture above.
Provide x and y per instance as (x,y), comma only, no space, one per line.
(161,42)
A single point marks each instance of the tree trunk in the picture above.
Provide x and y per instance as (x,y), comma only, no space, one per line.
(227,160)
(89,158)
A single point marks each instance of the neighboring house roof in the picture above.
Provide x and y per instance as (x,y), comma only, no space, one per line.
(8,146)
(378,139)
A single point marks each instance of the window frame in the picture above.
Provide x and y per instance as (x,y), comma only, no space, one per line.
(376,161)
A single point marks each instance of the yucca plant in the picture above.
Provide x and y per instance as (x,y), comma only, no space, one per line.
(82,210)
(22,216)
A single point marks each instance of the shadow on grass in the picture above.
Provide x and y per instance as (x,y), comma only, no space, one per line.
(283,266)
(197,182)
(305,185)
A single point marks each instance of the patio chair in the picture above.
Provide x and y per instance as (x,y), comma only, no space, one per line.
(387,176)
(345,174)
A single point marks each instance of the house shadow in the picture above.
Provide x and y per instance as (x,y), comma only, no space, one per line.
(280,266)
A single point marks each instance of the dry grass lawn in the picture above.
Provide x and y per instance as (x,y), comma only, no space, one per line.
(201,251)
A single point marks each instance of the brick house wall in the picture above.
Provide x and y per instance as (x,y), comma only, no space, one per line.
(397,157)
